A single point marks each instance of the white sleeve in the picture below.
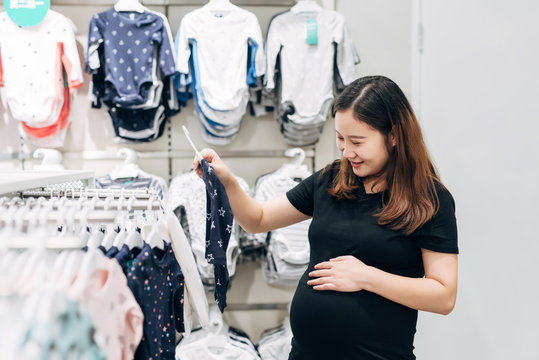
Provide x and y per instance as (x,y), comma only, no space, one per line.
(186,259)
(182,50)
(347,56)
(273,46)
(187,312)
(70,58)
(168,31)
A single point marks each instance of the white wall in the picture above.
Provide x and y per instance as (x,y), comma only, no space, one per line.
(479,86)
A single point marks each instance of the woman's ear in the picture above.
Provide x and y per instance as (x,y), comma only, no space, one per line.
(392,139)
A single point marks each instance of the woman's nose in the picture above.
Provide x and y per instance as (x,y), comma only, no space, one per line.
(347,153)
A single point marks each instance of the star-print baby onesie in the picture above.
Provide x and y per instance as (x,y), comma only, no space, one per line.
(132,42)
(219,219)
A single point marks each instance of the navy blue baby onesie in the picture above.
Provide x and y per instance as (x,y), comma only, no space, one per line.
(156,281)
(219,219)
(132,42)
(126,257)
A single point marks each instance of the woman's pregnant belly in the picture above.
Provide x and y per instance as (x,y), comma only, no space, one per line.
(357,323)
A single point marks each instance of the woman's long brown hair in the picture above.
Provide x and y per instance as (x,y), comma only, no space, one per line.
(409,173)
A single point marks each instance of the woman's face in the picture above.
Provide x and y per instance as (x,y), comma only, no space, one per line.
(363,146)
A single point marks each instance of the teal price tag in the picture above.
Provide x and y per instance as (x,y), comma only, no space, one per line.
(311,27)
(26,12)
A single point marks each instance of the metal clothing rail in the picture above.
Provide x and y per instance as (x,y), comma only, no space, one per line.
(94,216)
(187,154)
(257,306)
(127,204)
(120,199)
(91,193)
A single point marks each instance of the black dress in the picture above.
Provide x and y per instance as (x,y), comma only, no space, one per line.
(360,325)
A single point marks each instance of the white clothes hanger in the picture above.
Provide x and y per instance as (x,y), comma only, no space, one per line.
(296,168)
(129,5)
(93,260)
(52,160)
(162,228)
(153,231)
(219,5)
(126,226)
(129,168)
(134,240)
(217,329)
(58,273)
(306,6)
(154,239)
(110,235)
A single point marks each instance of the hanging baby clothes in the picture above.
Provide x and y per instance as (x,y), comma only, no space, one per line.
(219,219)
(65,332)
(125,257)
(275,344)
(302,67)
(187,200)
(157,283)
(228,343)
(220,57)
(114,310)
(142,180)
(130,56)
(288,250)
(40,70)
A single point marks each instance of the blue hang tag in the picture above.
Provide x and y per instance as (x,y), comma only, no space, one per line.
(311,30)
(26,12)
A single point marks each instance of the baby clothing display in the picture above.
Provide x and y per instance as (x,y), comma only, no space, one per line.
(187,199)
(130,56)
(220,57)
(40,70)
(301,68)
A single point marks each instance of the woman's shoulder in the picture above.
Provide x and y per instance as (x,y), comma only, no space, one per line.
(445,198)
(329,171)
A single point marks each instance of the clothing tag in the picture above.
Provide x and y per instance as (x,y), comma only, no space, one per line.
(27,12)
(311,31)
(131,16)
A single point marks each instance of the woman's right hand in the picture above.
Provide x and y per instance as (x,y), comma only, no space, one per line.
(221,170)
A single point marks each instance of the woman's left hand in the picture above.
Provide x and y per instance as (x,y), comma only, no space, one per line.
(343,273)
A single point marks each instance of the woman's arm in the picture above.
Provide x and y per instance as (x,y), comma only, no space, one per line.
(436,292)
(253,217)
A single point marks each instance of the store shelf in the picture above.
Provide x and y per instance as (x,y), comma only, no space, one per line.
(17,181)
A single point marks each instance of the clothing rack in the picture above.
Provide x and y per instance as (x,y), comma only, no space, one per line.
(97,210)
(91,193)
(187,154)
(18,181)
(54,216)
(124,199)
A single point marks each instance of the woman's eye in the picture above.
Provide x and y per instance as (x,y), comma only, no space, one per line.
(356,143)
